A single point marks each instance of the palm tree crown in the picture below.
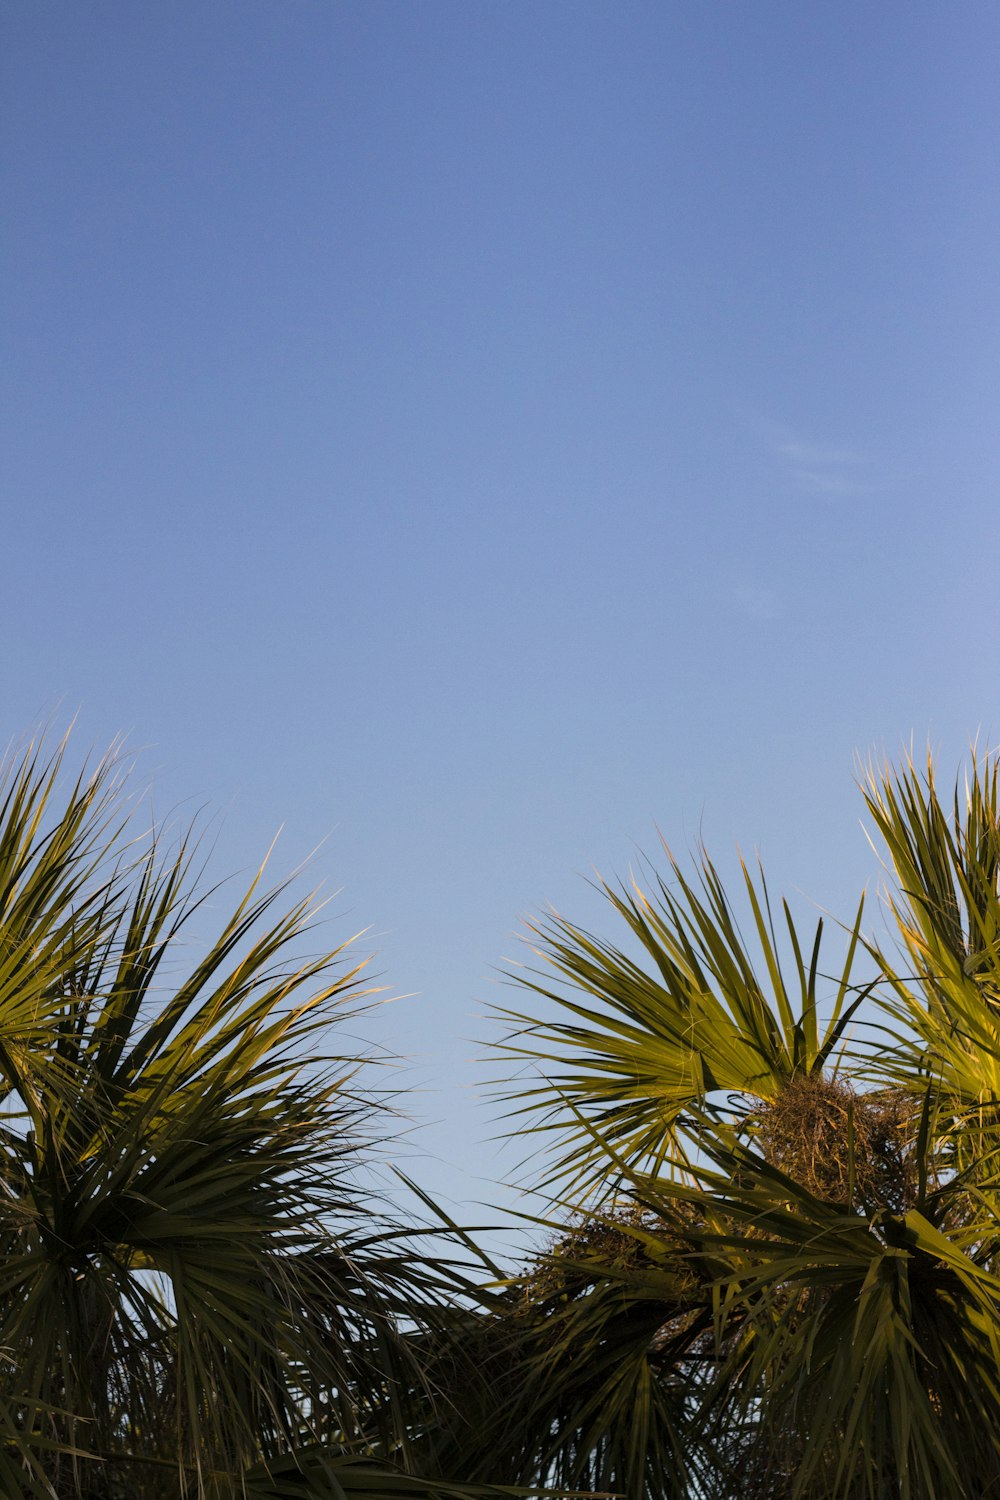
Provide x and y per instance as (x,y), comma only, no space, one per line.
(781,1275)
(195,1293)
(773,1264)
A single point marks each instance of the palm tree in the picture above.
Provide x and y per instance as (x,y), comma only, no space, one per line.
(196,1295)
(781,1271)
(773,1269)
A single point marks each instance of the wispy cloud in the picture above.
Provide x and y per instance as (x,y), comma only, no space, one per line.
(797,452)
(817,468)
(825,482)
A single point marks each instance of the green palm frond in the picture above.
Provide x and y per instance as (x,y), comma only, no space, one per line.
(582,1374)
(944,1004)
(820,1352)
(860,1333)
(833,1204)
(57,894)
(320,1474)
(635,1044)
(192,1280)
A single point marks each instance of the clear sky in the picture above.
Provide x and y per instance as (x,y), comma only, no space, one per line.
(482,434)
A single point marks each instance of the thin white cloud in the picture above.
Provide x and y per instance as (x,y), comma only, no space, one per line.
(823,482)
(816,468)
(812,453)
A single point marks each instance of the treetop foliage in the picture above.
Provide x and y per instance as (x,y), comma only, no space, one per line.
(771,1265)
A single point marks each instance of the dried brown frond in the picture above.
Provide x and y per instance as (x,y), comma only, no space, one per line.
(847,1147)
(611,1245)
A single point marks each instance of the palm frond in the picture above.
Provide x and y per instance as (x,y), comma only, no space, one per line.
(633,1046)
(192,1280)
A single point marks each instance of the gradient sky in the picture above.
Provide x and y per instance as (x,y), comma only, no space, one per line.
(481,435)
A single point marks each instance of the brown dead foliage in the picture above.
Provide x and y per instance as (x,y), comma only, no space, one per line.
(849,1148)
(613,1245)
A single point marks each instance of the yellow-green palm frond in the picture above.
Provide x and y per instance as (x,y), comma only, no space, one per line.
(634,1042)
(192,1278)
(944,1002)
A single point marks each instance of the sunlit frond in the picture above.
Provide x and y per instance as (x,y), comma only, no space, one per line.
(631,1045)
(193,1280)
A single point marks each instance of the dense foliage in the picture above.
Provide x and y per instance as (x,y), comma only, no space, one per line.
(784,1274)
(196,1295)
(771,1267)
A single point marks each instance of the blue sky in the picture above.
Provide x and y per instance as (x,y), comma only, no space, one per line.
(481,435)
